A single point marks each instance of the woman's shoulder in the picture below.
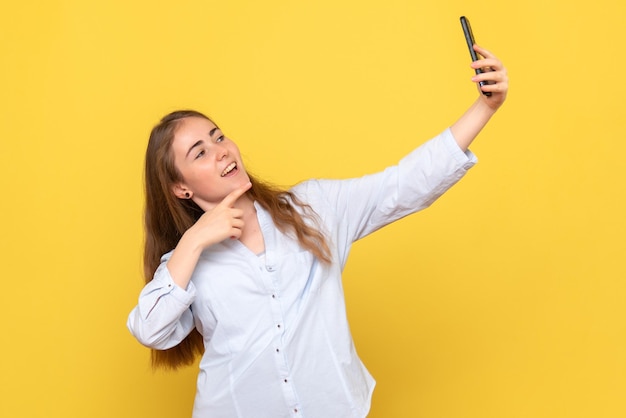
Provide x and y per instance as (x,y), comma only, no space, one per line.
(165,257)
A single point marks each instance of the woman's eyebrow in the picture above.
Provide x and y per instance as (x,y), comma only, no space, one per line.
(201,141)
(198,143)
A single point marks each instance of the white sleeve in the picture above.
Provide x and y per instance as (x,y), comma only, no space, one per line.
(163,317)
(356,207)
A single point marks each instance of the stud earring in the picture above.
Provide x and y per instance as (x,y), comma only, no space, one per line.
(187,195)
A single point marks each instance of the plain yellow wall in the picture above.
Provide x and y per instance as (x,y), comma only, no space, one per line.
(505,299)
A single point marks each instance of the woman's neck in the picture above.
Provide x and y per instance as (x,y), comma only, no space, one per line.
(251,235)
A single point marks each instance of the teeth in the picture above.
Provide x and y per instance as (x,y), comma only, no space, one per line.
(228,169)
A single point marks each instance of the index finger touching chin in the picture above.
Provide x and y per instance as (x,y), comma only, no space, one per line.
(237,193)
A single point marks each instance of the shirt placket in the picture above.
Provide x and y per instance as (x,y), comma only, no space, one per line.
(282,365)
(271,276)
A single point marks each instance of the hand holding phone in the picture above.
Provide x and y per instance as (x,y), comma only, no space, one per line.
(469,38)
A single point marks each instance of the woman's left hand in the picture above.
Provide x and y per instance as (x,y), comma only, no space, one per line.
(494,74)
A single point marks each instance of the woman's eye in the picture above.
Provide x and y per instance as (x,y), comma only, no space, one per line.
(219,138)
(200,154)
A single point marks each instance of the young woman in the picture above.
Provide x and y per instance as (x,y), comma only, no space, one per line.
(249,276)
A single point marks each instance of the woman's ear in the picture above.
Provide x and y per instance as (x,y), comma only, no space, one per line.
(181,191)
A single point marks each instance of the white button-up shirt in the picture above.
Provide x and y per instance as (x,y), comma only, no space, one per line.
(276,336)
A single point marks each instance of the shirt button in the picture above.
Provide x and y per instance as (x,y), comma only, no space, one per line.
(295,410)
(285,380)
(273,296)
(270,268)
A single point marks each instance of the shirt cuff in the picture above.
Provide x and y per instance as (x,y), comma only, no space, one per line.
(163,280)
(466,158)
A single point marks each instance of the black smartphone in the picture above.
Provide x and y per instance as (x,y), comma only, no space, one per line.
(469,38)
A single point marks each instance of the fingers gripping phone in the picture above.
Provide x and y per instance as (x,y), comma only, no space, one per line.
(469,38)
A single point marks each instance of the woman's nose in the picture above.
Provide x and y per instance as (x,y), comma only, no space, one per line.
(221,152)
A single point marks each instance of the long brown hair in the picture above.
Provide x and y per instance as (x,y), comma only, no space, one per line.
(168,217)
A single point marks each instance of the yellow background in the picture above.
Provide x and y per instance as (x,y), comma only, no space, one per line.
(505,299)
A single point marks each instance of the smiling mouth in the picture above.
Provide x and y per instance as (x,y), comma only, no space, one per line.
(232,166)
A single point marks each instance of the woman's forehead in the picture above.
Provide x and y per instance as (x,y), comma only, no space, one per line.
(194,123)
(194,127)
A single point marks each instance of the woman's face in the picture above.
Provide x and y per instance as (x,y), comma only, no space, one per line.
(210,163)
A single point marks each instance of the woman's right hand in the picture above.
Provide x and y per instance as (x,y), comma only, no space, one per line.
(222,222)
(215,225)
